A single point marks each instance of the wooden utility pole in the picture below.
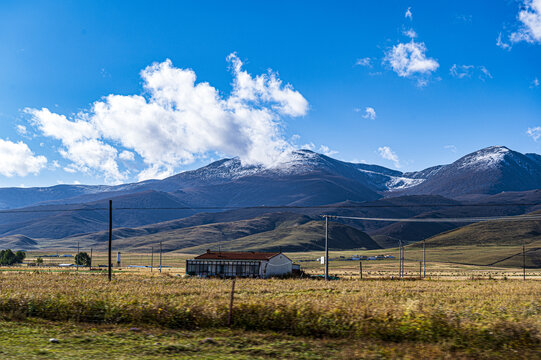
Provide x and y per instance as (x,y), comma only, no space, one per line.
(77,257)
(361,269)
(110,261)
(90,264)
(151,258)
(420,269)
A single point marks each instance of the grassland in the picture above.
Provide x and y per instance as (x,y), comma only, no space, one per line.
(483,319)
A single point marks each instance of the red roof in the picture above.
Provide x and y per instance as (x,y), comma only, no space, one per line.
(237,255)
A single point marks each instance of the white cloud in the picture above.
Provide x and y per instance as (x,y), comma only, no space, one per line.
(388,154)
(21,129)
(485,74)
(530,23)
(369,113)
(364,62)
(501,43)
(409,60)
(325,150)
(534,83)
(534,133)
(126,155)
(410,33)
(81,144)
(18,159)
(310,146)
(452,148)
(467,71)
(528,28)
(179,121)
(461,71)
(408,14)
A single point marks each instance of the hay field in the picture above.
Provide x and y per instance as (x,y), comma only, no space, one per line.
(496,317)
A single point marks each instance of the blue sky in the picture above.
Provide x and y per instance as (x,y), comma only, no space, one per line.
(364,81)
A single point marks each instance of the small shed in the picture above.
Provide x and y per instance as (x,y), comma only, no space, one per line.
(239,264)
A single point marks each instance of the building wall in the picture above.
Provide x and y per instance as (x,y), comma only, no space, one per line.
(278,265)
(229,268)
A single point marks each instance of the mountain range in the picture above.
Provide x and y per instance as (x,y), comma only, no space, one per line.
(231,193)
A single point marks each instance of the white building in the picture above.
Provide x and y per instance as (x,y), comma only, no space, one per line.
(240,264)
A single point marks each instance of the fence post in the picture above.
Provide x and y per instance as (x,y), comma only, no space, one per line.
(230,317)
(523,261)
(77,257)
(90,264)
(361,269)
(151,258)
(160,256)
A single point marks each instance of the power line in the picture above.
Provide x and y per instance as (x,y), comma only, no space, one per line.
(439,220)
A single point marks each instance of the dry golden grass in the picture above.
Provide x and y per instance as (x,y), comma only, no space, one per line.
(495,314)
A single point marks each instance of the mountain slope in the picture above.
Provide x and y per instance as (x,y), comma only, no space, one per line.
(487,171)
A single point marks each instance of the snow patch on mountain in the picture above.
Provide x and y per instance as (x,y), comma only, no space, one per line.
(486,158)
(399,183)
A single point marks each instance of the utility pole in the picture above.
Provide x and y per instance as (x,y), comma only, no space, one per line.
(151,258)
(424,259)
(90,265)
(361,269)
(110,261)
(523,260)
(160,256)
(420,270)
(77,257)
(326,247)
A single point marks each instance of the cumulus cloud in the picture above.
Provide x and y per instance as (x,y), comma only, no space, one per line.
(409,60)
(388,154)
(179,121)
(80,141)
(364,62)
(534,83)
(528,28)
(369,113)
(408,14)
(126,155)
(530,23)
(534,133)
(18,159)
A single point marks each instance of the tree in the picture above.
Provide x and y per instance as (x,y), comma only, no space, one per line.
(8,257)
(20,256)
(39,260)
(82,259)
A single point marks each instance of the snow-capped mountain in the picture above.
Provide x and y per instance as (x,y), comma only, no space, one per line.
(307,177)
(488,171)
